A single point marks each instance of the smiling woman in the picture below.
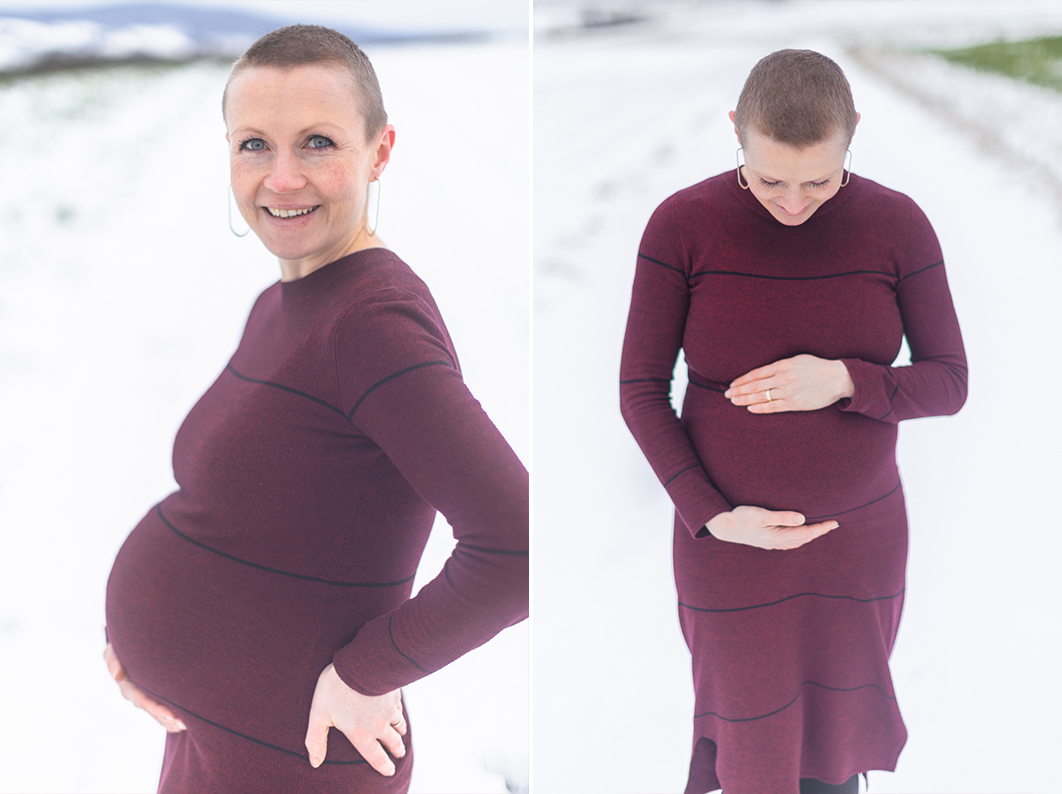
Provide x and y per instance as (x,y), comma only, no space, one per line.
(262,613)
(303,185)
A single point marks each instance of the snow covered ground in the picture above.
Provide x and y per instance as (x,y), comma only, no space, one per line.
(123,293)
(625,117)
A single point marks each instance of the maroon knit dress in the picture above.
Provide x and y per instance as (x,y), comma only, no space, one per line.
(790,648)
(309,475)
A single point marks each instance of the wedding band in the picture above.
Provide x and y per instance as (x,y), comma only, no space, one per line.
(768,393)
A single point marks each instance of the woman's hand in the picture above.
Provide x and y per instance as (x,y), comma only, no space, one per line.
(131,692)
(372,724)
(766,529)
(801,383)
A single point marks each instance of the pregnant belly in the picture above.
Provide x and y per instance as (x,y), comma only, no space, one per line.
(821,463)
(229,643)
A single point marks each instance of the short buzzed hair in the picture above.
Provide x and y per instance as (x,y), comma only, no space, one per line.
(797,97)
(301,45)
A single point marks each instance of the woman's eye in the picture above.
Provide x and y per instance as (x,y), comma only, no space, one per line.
(320,142)
(765,183)
(823,183)
(252,145)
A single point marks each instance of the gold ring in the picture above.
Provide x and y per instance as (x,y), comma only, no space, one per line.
(768,393)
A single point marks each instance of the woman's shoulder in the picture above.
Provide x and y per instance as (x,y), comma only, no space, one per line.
(698,208)
(894,217)
(377,291)
(713,190)
(375,279)
(373,271)
(874,195)
(384,322)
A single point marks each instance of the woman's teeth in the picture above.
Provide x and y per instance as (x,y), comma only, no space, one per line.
(289,213)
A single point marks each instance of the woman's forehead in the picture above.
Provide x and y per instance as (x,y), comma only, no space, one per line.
(290,96)
(769,158)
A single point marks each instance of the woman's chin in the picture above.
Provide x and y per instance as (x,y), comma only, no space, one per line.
(288,250)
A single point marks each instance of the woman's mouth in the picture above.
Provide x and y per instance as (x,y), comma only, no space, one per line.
(279,213)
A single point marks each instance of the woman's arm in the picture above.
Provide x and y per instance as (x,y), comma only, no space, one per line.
(432,429)
(400,383)
(655,325)
(933,384)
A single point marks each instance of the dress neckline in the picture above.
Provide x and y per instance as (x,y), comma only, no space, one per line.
(321,280)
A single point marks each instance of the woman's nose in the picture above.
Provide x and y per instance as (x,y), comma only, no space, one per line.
(286,174)
(792,201)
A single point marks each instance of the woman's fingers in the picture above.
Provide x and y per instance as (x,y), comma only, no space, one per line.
(373,724)
(374,754)
(135,695)
(113,665)
(793,537)
(372,747)
(800,383)
(782,518)
(757,374)
(317,734)
(764,396)
(392,742)
(750,388)
(767,529)
(163,715)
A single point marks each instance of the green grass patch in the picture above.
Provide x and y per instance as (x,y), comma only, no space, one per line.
(1036,61)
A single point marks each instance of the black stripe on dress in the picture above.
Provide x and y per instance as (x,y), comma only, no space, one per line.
(307,577)
(800,689)
(218,725)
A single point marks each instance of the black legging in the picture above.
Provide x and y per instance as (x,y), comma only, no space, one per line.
(808,785)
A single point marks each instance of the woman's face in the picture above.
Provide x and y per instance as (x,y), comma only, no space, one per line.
(300,164)
(792,183)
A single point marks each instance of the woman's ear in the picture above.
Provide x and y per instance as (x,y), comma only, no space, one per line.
(384,143)
(736,131)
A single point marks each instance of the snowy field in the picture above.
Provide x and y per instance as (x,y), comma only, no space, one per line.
(123,293)
(625,117)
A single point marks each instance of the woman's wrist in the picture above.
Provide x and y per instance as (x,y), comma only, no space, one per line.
(845,386)
(717,520)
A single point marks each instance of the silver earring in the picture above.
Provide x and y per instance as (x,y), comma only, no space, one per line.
(740,157)
(230,198)
(848,168)
(369,201)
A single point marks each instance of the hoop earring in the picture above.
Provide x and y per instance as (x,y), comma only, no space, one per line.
(368,200)
(739,156)
(229,201)
(848,168)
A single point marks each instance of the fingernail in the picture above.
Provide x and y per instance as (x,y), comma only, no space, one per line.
(390,770)
(835,524)
(181,726)
(315,761)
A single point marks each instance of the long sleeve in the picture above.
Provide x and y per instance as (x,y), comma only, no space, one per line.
(406,394)
(655,326)
(935,382)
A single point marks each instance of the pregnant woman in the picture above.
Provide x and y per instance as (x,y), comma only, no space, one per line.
(789,285)
(262,613)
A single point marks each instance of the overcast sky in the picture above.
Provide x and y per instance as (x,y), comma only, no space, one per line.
(497,15)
